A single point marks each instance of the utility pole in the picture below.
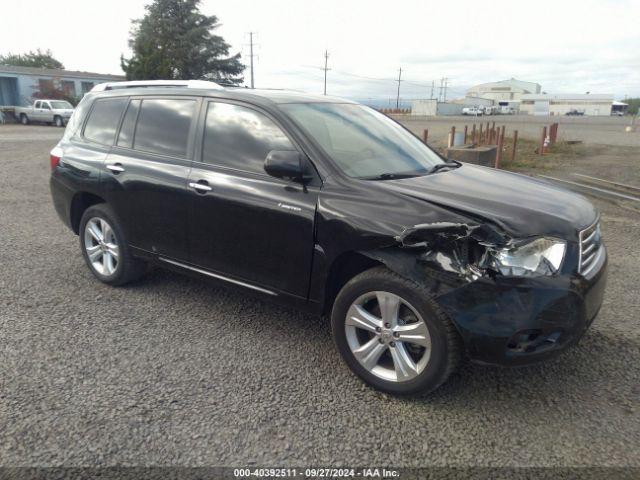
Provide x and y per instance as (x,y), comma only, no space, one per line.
(446,82)
(440,91)
(432,85)
(326,59)
(251,56)
(398,95)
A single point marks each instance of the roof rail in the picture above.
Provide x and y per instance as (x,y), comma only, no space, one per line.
(204,84)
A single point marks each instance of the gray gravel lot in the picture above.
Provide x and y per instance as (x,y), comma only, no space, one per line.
(173,371)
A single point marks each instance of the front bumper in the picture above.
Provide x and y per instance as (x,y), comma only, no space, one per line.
(516,321)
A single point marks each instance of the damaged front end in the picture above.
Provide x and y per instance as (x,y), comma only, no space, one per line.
(456,248)
(494,287)
(471,251)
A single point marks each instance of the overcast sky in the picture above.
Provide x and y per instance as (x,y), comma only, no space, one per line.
(568,46)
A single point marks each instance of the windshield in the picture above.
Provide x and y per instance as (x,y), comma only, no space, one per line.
(60,105)
(362,142)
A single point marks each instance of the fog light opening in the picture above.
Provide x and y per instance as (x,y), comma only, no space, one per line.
(530,341)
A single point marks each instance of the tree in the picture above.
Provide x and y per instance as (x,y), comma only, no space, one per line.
(38,59)
(53,89)
(174,40)
(634,105)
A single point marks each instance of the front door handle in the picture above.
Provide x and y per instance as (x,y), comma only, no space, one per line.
(201,186)
(116,168)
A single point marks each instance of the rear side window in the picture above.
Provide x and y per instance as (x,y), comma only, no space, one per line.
(240,137)
(103,120)
(125,138)
(163,126)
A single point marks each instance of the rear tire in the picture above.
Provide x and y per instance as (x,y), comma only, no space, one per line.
(361,326)
(24,120)
(105,247)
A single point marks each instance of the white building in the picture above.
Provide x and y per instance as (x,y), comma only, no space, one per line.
(505,91)
(561,104)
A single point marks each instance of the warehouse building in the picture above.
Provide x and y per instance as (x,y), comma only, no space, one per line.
(561,104)
(19,84)
(504,91)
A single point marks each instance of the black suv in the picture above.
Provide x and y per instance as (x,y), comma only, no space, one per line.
(330,206)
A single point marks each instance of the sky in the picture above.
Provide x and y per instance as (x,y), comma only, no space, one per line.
(567,46)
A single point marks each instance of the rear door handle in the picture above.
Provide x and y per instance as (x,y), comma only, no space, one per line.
(116,168)
(201,186)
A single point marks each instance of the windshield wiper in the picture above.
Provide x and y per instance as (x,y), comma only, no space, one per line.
(442,166)
(392,176)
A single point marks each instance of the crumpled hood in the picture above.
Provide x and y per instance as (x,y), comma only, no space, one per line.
(520,205)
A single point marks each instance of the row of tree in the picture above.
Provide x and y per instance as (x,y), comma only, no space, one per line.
(174,40)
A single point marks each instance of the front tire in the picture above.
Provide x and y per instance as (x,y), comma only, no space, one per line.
(393,335)
(58,121)
(105,247)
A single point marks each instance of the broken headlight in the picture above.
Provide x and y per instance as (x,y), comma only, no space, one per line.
(542,256)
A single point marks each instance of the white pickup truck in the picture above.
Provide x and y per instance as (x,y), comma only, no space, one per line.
(57,112)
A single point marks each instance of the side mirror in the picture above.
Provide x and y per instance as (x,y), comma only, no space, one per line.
(285,164)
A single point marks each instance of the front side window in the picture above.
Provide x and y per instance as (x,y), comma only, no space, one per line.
(103,120)
(240,137)
(37,104)
(362,142)
(163,126)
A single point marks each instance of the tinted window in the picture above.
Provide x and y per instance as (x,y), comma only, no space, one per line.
(125,138)
(163,126)
(103,120)
(37,105)
(240,137)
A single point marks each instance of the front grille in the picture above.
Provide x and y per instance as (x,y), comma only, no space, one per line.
(590,246)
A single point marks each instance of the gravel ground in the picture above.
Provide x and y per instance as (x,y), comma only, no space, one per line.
(173,371)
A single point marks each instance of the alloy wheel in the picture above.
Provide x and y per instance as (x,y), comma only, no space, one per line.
(101,245)
(388,336)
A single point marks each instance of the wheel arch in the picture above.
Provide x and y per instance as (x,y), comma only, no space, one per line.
(346,266)
(79,204)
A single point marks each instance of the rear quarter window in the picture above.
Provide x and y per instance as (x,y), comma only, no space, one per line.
(103,120)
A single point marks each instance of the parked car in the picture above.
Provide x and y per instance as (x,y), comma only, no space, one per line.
(334,208)
(476,111)
(575,112)
(506,110)
(490,110)
(56,112)
(617,113)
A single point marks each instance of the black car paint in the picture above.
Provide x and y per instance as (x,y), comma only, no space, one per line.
(287,237)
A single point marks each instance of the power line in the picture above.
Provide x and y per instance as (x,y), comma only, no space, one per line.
(428,83)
